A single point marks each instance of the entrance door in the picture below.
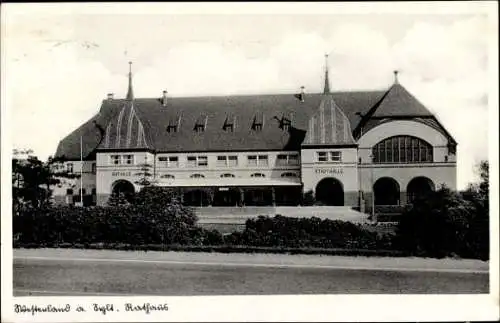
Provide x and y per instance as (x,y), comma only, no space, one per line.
(386,191)
(418,188)
(330,191)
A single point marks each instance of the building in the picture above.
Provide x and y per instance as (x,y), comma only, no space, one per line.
(344,148)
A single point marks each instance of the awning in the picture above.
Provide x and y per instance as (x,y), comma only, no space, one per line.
(227,182)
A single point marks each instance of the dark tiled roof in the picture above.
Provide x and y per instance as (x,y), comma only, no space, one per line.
(399,102)
(243,111)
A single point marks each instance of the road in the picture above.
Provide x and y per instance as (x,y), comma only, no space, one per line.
(57,272)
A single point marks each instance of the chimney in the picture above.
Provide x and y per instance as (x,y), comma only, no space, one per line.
(164,98)
(111,96)
(300,96)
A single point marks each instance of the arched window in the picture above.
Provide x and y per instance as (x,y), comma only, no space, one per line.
(197,176)
(168,176)
(289,174)
(402,149)
(257,175)
(227,175)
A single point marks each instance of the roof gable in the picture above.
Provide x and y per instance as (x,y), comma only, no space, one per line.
(399,102)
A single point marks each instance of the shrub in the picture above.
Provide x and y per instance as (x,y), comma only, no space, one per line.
(437,226)
(280,231)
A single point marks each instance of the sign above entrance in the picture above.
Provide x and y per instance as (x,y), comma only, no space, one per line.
(121,174)
(323,171)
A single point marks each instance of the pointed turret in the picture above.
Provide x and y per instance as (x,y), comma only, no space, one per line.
(130,92)
(326,89)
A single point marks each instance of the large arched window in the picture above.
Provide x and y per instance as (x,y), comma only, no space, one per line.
(402,149)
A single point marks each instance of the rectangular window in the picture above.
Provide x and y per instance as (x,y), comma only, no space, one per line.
(293,159)
(69,191)
(335,156)
(197,161)
(221,160)
(322,156)
(282,160)
(232,160)
(128,159)
(69,167)
(94,168)
(287,159)
(170,161)
(252,160)
(191,161)
(262,160)
(94,191)
(115,159)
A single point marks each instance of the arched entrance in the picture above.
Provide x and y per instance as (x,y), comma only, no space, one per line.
(386,191)
(123,189)
(330,191)
(418,188)
(196,198)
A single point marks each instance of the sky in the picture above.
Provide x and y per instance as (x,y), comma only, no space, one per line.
(60,64)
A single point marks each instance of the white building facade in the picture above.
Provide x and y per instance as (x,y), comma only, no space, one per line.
(359,149)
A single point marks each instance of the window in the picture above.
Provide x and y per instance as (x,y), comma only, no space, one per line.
(258,122)
(257,175)
(84,192)
(199,128)
(197,161)
(289,175)
(128,159)
(115,159)
(94,191)
(227,160)
(69,167)
(170,161)
(402,149)
(322,156)
(288,159)
(335,156)
(171,128)
(197,176)
(229,124)
(69,191)
(94,168)
(200,124)
(332,156)
(258,160)
(167,176)
(227,175)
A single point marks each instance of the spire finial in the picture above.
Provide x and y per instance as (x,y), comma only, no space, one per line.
(396,81)
(130,92)
(326,89)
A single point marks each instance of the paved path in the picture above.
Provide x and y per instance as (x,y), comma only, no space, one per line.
(98,272)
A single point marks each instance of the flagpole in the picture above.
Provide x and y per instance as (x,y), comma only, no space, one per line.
(81,169)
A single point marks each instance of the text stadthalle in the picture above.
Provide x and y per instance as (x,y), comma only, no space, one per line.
(329,171)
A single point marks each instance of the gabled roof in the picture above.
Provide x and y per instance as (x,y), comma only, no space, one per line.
(399,102)
(329,125)
(154,119)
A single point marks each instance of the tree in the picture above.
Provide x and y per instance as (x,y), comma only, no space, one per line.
(32,180)
(145,174)
(436,225)
(478,195)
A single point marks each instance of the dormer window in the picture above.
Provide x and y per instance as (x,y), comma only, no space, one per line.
(200,124)
(173,124)
(258,122)
(229,123)
(199,128)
